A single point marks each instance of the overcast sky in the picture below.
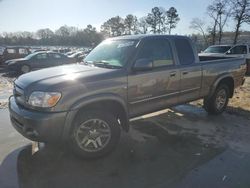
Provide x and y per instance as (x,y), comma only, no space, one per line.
(31,15)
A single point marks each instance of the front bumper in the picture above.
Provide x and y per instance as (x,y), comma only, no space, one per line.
(35,125)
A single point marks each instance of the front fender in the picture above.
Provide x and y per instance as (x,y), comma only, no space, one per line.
(74,109)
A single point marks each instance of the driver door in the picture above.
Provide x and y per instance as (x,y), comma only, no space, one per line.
(152,90)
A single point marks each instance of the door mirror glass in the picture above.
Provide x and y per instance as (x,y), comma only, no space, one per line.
(143,65)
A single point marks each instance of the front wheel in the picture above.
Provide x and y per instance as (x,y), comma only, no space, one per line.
(217,103)
(25,69)
(95,134)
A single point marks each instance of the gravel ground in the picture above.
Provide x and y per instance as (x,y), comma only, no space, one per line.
(6,87)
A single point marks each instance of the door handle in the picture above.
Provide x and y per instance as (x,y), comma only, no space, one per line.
(172,74)
(185,72)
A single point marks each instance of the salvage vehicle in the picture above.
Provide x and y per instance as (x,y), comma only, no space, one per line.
(87,105)
(215,49)
(13,53)
(239,50)
(79,56)
(38,60)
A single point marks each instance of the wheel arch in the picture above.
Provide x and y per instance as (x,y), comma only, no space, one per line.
(105,102)
(227,80)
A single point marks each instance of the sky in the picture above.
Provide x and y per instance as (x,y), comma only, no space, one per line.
(31,15)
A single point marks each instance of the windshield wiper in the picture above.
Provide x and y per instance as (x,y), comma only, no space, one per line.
(103,64)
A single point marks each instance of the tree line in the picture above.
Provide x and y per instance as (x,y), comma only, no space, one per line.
(158,20)
(65,35)
(220,13)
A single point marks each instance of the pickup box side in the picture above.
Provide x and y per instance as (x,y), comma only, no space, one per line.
(229,70)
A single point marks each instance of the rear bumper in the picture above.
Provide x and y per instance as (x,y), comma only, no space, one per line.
(37,126)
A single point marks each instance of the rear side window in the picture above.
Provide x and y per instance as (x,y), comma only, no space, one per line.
(56,56)
(184,51)
(158,50)
(11,50)
(241,49)
(23,51)
(41,56)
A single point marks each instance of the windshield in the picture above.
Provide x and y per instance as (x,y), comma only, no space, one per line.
(30,56)
(111,52)
(217,49)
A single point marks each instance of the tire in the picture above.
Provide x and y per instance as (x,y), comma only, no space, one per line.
(95,134)
(24,69)
(217,103)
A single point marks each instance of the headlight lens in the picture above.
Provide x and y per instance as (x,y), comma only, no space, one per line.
(44,99)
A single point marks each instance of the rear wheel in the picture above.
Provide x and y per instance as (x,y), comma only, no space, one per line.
(217,103)
(95,134)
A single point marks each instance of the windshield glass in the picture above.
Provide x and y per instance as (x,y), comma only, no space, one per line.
(217,49)
(30,56)
(112,52)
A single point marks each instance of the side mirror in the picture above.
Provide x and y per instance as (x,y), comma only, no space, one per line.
(143,65)
(228,52)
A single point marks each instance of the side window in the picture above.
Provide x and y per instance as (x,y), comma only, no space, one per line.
(56,56)
(41,56)
(159,51)
(11,50)
(184,51)
(241,49)
(22,51)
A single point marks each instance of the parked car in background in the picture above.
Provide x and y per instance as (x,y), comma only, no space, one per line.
(239,50)
(79,56)
(13,53)
(38,60)
(215,49)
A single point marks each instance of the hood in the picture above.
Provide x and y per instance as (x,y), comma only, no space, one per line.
(12,61)
(60,74)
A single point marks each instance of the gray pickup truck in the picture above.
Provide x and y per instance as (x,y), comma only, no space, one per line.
(87,105)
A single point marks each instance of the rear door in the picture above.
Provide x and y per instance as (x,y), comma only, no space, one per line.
(55,59)
(190,70)
(40,61)
(153,89)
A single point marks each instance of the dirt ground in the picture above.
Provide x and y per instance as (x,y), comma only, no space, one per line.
(240,103)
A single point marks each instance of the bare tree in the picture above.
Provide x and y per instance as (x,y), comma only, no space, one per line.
(224,13)
(241,14)
(219,12)
(44,33)
(198,24)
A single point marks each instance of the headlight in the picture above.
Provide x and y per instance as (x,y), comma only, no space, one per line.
(44,99)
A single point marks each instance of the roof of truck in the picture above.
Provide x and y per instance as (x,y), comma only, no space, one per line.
(142,36)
